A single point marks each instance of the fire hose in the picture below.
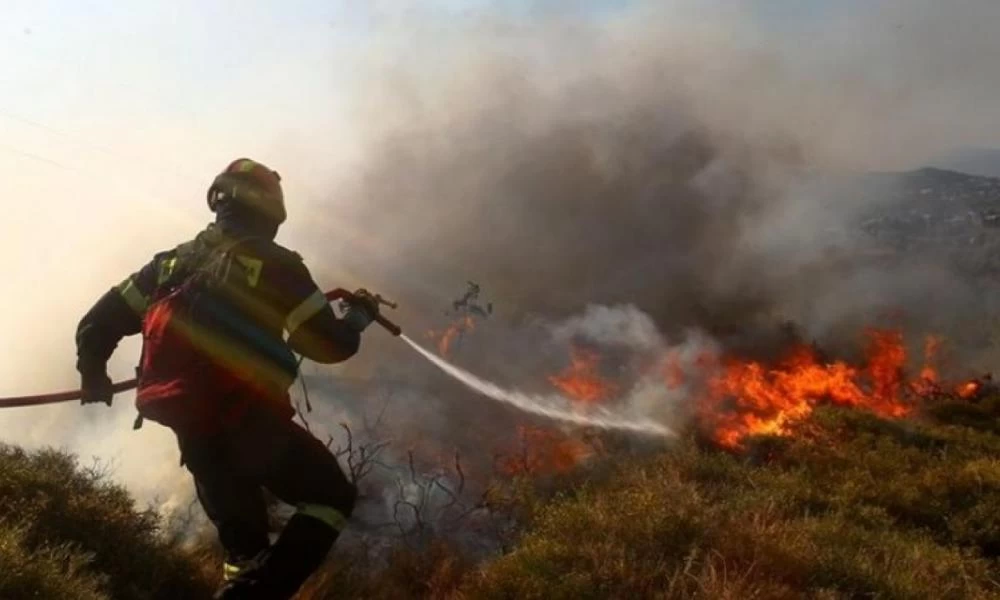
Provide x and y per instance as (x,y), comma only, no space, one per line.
(336,295)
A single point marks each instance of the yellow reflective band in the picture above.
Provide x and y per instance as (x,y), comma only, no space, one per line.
(252,268)
(166,270)
(230,571)
(135,299)
(327,514)
(305,311)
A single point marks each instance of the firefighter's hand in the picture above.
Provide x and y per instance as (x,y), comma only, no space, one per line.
(362,310)
(96,387)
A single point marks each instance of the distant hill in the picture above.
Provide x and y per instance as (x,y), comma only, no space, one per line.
(975,161)
(932,205)
(946,214)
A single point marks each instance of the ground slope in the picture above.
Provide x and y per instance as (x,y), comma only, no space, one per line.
(850,507)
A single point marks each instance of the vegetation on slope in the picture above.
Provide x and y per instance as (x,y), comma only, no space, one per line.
(67,532)
(850,507)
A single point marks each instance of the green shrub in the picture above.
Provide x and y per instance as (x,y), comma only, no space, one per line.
(63,508)
(51,573)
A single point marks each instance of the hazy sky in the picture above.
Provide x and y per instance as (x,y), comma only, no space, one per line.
(114,116)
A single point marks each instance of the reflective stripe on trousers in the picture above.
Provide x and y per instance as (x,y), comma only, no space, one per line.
(330,516)
(231,571)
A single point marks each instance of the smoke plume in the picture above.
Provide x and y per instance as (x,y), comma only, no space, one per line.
(685,159)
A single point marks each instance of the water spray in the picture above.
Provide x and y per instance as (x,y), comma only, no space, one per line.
(551,406)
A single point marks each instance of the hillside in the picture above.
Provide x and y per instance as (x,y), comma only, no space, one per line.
(850,507)
(932,209)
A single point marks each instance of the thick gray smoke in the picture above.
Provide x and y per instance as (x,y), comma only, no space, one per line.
(690,161)
(684,161)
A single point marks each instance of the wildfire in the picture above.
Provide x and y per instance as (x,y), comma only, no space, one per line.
(737,398)
(544,451)
(581,381)
(446,339)
(673,372)
(932,346)
(968,390)
(746,397)
(548,451)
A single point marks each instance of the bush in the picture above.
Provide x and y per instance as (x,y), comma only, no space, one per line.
(51,573)
(54,508)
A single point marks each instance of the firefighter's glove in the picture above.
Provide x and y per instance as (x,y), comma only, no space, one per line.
(96,387)
(362,310)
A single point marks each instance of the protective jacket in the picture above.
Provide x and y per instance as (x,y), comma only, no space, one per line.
(229,349)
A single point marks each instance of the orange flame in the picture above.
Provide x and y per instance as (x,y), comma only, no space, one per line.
(581,381)
(544,451)
(673,371)
(928,383)
(446,339)
(932,346)
(746,398)
(968,390)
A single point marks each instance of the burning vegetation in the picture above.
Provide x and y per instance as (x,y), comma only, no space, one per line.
(733,399)
(744,398)
(581,381)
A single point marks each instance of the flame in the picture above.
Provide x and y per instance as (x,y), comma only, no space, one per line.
(886,359)
(968,390)
(581,381)
(746,398)
(932,346)
(446,338)
(544,451)
(928,383)
(673,372)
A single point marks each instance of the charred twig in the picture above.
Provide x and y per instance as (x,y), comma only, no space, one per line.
(413,471)
(460,472)
(370,427)
(302,416)
(361,459)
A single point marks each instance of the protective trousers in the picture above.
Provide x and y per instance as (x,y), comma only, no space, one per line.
(231,468)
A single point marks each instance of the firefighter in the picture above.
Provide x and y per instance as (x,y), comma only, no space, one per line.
(220,317)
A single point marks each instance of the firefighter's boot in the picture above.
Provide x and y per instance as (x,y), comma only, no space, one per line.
(278,572)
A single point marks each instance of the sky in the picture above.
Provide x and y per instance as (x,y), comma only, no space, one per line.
(132,107)
(115,116)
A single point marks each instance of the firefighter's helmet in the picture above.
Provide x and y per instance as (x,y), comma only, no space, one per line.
(249,182)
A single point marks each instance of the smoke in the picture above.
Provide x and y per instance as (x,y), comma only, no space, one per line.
(683,157)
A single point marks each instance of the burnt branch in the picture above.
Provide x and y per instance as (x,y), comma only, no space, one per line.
(360,458)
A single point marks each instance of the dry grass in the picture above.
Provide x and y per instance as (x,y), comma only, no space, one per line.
(856,507)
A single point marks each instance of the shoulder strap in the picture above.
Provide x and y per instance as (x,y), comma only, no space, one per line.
(195,257)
